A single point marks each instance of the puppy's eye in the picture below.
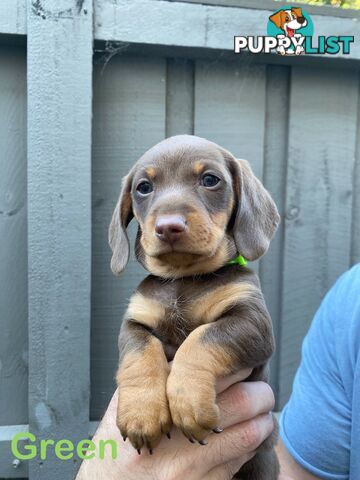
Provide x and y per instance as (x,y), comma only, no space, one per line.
(287,19)
(209,180)
(144,188)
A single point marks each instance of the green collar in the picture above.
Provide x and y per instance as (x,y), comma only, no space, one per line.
(239,260)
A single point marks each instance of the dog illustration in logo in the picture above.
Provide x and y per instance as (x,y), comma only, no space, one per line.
(289,21)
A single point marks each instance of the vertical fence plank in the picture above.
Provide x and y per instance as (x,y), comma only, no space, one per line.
(13,254)
(230,109)
(179,97)
(59,223)
(322,133)
(274,178)
(129,118)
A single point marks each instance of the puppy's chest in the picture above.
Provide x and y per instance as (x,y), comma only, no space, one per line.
(184,305)
(180,317)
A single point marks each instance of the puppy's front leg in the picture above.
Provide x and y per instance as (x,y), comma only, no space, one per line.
(143,413)
(241,338)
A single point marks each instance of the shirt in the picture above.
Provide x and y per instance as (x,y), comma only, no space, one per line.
(320,425)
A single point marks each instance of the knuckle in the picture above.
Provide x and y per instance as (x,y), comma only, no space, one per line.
(251,435)
(242,397)
(270,397)
(235,398)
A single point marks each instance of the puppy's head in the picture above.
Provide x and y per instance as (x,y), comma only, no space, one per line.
(289,20)
(196,206)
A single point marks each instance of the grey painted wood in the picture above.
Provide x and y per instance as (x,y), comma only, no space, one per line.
(10,467)
(13,14)
(59,224)
(274,178)
(179,97)
(179,24)
(129,117)
(355,242)
(230,109)
(13,17)
(322,134)
(13,235)
(274,5)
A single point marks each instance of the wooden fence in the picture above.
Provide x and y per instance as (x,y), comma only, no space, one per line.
(85,88)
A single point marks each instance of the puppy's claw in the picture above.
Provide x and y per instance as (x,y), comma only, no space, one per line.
(218,430)
(203,442)
(191,440)
(168,435)
(139,451)
(124,438)
(150,451)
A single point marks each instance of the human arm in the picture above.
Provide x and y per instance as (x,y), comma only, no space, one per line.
(289,469)
(317,423)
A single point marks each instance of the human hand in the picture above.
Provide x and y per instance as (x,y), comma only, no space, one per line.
(244,411)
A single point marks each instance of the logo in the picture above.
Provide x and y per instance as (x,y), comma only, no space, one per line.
(290,31)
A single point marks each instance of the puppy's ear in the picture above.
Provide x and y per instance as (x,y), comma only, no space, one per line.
(276,18)
(118,239)
(256,216)
(297,11)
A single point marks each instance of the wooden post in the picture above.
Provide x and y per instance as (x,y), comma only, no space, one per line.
(59,224)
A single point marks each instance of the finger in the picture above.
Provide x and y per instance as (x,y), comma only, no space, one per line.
(239,441)
(228,470)
(225,382)
(244,401)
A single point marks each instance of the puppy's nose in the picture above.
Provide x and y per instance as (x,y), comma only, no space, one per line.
(169,228)
(301,20)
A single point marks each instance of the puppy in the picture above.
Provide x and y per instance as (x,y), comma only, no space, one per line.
(289,21)
(197,208)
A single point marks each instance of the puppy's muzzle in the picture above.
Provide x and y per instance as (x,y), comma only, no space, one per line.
(170,228)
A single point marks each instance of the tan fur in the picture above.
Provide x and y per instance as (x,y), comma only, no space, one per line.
(198,168)
(143,410)
(151,172)
(178,265)
(220,219)
(212,305)
(191,384)
(203,237)
(145,310)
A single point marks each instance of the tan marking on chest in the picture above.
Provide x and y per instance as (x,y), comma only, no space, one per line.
(212,305)
(145,310)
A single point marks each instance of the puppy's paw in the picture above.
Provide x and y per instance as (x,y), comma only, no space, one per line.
(143,416)
(192,405)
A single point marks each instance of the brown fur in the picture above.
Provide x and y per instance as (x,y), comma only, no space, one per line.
(210,319)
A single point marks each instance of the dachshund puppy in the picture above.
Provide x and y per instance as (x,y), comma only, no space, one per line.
(197,208)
